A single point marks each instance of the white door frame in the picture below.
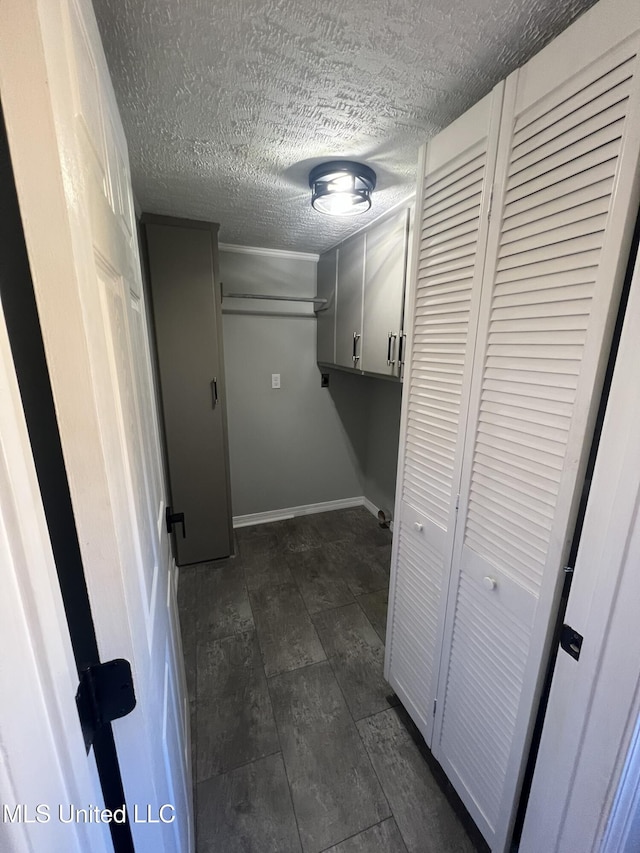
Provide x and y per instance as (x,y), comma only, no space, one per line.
(590,723)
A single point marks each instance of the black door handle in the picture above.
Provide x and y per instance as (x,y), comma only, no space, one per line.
(175,518)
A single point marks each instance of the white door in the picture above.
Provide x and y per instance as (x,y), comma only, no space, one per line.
(594,703)
(70,162)
(42,757)
(564,206)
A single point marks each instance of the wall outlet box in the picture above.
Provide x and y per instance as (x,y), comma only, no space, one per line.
(275,380)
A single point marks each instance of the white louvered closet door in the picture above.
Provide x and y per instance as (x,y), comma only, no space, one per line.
(449,240)
(564,209)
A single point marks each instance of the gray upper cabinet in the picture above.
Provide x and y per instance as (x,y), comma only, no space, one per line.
(326,328)
(349,302)
(363,281)
(384,278)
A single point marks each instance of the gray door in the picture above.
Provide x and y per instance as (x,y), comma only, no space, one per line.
(349,302)
(186,313)
(326,316)
(385,265)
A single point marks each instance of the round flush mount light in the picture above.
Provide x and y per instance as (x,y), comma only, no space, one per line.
(341,187)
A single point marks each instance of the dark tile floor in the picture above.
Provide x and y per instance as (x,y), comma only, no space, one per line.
(297,742)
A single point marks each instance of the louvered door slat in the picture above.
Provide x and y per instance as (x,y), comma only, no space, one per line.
(550,287)
(451,220)
(545,131)
(460,171)
(542,116)
(569,146)
(523,213)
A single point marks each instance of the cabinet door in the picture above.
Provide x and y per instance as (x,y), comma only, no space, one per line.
(189,359)
(326,314)
(565,204)
(448,255)
(384,278)
(349,302)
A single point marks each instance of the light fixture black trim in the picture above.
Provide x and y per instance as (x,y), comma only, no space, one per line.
(341,187)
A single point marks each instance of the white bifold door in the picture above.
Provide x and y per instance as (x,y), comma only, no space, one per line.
(524,216)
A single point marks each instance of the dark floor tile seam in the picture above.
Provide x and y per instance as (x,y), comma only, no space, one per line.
(361,831)
(222,640)
(369,620)
(375,772)
(294,575)
(244,764)
(433,766)
(296,668)
(234,633)
(284,763)
(364,747)
(335,675)
(375,713)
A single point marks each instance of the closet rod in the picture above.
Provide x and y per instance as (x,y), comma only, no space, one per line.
(317,299)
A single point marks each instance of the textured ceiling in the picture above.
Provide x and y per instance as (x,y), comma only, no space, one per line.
(227,104)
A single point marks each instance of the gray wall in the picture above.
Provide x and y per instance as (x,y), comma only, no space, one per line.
(382,435)
(288,447)
(300,444)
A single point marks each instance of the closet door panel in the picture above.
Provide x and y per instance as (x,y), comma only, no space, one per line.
(326,314)
(563,213)
(384,282)
(349,302)
(450,233)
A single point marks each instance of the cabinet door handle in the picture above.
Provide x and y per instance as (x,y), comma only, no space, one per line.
(214,392)
(391,341)
(356,338)
(401,346)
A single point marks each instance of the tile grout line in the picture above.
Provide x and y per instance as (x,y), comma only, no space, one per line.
(297,668)
(275,722)
(240,766)
(366,751)
(281,554)
(356,834)
(353,721)
(364,746)
(355,725)
(284,764)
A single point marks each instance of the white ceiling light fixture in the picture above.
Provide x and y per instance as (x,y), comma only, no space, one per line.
(341,187)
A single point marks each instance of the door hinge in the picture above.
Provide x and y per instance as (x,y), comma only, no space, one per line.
(105,693)
(571,641)
(457,502)
(435,703)
(490,205)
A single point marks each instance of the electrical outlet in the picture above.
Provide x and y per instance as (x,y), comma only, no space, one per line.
(275,380)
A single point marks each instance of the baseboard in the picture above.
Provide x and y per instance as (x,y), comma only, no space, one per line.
(373,509)
(367,504)
(293,511)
